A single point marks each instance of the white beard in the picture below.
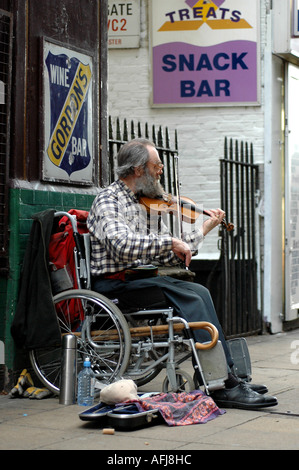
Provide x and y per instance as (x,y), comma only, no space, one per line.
(149,186)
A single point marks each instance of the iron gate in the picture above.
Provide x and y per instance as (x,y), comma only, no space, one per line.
(239,181)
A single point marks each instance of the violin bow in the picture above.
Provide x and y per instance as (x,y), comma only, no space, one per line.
(177,184)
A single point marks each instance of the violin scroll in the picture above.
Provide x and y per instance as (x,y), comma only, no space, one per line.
(229,226)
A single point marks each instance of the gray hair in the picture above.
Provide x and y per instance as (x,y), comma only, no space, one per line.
(131,155)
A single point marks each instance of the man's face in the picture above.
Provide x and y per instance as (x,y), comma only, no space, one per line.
(154,164)
(149,182)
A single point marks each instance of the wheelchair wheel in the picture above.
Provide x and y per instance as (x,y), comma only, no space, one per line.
(184,383)
(104,337)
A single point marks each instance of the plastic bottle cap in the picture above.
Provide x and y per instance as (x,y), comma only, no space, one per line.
(86,362)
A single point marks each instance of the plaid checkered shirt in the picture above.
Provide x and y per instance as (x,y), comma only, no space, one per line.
(123,235)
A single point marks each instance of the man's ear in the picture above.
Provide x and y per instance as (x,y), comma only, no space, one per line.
(138,171)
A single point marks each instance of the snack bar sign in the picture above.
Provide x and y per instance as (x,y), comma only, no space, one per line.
(68,140)
(205,53)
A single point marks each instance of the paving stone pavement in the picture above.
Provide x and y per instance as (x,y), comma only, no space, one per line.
(27,424)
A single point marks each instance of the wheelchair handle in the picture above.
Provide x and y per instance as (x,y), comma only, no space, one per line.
(211,329)
(204,325)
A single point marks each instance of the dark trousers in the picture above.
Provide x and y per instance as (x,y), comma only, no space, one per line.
(189,300)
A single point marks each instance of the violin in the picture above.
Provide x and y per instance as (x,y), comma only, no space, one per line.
(186,209)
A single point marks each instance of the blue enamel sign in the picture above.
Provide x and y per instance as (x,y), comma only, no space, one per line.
(68,115)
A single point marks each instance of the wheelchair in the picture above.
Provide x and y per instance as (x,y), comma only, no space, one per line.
(126,342)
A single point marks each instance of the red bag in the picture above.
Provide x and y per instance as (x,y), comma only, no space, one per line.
(63,267)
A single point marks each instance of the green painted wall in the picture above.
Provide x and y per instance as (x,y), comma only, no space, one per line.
(24,203)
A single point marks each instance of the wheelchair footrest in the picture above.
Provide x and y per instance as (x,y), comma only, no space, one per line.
(239,352)
(214,366)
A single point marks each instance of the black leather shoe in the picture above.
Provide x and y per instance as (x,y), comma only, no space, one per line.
(262,389)
(242,397)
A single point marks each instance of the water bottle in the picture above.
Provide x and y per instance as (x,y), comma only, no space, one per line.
(86,381)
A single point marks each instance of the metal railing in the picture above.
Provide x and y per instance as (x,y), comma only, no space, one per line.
(239,190)
(167,149)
